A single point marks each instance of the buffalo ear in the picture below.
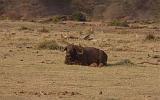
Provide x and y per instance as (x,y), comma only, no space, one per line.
(79,50)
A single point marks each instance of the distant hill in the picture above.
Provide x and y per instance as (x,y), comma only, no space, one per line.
(96,9)
(33,8)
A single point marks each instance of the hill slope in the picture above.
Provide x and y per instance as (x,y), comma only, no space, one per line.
(98,9)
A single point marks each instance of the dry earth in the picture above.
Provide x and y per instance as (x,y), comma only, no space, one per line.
(27,73)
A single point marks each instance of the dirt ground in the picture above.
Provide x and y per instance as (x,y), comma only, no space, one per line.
(28,73)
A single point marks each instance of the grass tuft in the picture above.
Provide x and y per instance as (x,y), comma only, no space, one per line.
(125,62)
(57,19)
(49,45)
(119,23)
(44,30)
(152,37)
(24,28)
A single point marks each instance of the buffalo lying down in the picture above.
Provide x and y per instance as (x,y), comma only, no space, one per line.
(88,56)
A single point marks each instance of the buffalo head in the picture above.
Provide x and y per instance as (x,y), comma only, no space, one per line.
(72,53)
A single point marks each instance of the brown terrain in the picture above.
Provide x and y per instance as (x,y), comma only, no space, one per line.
(30,73)
(96,9)
(32,57)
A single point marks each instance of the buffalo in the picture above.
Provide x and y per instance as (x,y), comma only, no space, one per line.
(87,56)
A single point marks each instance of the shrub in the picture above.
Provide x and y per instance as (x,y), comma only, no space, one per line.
(119,23)
(79,16)
(50,45)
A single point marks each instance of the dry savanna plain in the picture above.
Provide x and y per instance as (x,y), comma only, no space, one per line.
(32,61)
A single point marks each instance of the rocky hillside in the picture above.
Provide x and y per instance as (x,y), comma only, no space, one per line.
(96,9)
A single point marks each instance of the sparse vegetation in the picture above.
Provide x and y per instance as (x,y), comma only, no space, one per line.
(137,26)
(57,18)
(125,62)
(50,45)
(34,58)
(32,62)
(123,32)
(44,30)
(90,31)
(79,16)
(152,37)
(119,23)
(104,8)
(7,37)
(24,28)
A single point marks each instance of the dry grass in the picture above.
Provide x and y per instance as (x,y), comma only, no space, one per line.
(44,30)
(40,74)
(79,16)
(50,45)
(151,37)
(119,23)
(22,28)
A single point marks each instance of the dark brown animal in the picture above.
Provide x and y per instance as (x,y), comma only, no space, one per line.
(88,56)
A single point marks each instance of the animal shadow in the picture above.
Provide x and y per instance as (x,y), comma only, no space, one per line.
(126,62)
